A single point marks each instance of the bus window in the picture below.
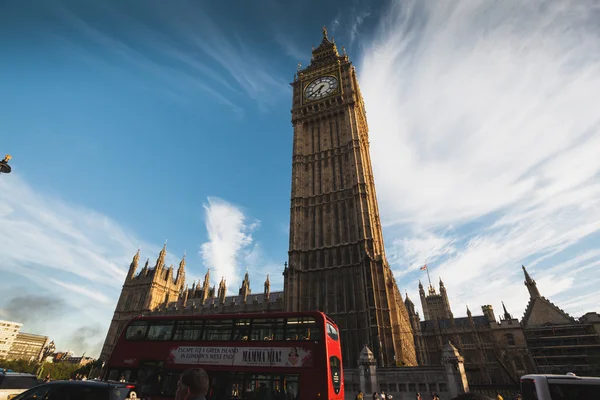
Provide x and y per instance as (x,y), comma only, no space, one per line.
(161,330)
(336,373)
(241,329)
(528,389)
(219,329)
(188,330)
(332,332)
(573,390)
(137,330)
(267,329)
(301,328)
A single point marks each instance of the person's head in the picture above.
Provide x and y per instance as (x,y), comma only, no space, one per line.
(192,382)
(471,396)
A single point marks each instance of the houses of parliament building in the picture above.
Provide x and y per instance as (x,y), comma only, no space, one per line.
(337,262)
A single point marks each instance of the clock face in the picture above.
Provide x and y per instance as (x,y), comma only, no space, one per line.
(321,87)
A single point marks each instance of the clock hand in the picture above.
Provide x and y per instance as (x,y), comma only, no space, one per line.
(319,89)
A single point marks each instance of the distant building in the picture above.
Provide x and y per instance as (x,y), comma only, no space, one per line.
(493,351)
(8,334)
(83,360)
(61,356)
(28,347)
(496,352)
(558,342)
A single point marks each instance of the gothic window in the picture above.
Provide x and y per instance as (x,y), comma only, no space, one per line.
(510,339)
(128,302)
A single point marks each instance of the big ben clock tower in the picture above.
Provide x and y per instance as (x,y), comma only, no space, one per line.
(337,261)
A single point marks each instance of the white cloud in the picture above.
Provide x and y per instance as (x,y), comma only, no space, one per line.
(356,24)
(86,291)
(483,127)
(230,240)
(67,254)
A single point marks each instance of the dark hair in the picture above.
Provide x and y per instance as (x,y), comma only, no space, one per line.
(196,380)
(471,396)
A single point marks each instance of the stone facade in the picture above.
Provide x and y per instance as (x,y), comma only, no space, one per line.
(157,291)
(557,342)
(337,261)
(447,379)
(499,351)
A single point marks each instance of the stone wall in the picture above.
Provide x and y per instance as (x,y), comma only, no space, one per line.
(401,382)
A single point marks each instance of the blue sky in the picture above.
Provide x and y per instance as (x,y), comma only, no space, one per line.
(135,122)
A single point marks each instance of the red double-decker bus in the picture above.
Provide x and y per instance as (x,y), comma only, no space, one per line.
(274,356)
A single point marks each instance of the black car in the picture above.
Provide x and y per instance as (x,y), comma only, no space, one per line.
(78,390)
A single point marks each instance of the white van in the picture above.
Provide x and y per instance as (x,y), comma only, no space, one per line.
(13,383)
(560,387)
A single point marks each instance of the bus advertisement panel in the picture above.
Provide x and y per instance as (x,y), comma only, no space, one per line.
(287,356)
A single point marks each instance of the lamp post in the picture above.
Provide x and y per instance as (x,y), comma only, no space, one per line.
(4,167)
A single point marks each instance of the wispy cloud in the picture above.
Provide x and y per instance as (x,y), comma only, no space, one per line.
(291,48)
(234,54)
(356,24)
(55,253)
(334,24)
(230,241)
(190,53)
(86,291)
(487,132)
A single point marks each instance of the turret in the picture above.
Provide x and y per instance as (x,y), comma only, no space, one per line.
(144,271)
(180,280)
(531,285)
(222,290)
(267,291)
(133,266)
(186,293)
(245,288)
(444,294)
(205,290)
(488,311)
(160,261)
(423,301)
(507,315)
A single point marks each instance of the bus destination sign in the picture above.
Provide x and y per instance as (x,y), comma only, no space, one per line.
(241,356)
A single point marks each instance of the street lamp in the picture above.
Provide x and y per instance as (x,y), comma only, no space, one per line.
(4,167)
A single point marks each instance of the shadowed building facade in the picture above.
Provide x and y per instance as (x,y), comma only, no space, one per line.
(337,262)
(157,290)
